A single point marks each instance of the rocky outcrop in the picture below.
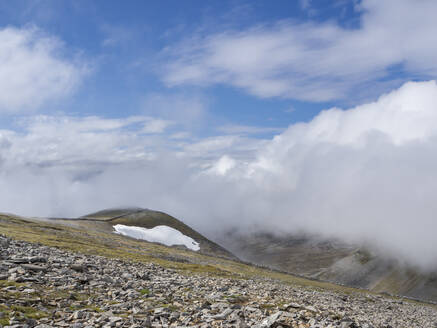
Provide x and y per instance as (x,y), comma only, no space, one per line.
(43,287)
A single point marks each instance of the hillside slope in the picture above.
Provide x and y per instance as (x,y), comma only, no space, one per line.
(334,261)
(57,275)
(106,219)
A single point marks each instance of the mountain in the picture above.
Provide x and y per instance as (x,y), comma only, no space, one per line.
(333,261)
(303,256)
(106,220)
(78,272)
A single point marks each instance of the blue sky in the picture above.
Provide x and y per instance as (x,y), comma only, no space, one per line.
(276,115)
(124,47)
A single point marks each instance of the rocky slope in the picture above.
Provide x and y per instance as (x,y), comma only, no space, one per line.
(334,261)
(43,286)
(299,254)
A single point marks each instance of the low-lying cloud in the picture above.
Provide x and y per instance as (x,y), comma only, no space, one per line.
(363,174)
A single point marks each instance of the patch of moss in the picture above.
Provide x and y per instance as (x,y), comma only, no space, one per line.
(7,283)
(144,291)
(29,311)
(171,307)
(94,308)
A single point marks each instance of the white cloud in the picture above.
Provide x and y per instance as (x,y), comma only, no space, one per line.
(91,141)
(315,61)
(223,165)
(79,141)
(211,148)
(365,173)
(32,70)
(156,126)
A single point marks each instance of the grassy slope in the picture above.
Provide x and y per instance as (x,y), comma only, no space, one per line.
(150,219)
(112,212)
(114,246)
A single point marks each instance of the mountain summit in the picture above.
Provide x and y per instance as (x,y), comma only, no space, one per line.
(145,222)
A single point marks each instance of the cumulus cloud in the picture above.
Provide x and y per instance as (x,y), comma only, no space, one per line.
(315,61)
(362,174)
(33,70)
(79,143)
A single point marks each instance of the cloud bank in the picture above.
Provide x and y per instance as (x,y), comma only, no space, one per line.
(362,174)
(315,61)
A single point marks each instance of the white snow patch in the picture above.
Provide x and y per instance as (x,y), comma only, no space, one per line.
(159,234)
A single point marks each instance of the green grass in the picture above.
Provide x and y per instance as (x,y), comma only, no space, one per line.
(4,322)
(21,312)
(95,242)
(29,312)
(7,283)
(144,291)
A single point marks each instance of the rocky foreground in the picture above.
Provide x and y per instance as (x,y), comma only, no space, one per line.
(47,287)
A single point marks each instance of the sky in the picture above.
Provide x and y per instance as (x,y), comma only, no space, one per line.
(290,116)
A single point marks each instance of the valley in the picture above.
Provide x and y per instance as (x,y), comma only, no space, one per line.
(334,261)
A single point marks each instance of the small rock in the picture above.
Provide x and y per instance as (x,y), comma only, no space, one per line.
(268,322)
(34,267)
(223,315)
(77,267)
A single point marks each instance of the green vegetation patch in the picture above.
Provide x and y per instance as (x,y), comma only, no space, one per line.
(144,291)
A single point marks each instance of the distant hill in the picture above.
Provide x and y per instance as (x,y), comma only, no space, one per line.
(333,261)
(145,218)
